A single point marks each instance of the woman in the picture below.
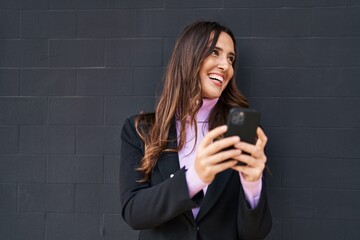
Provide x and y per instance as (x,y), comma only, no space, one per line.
(178,177)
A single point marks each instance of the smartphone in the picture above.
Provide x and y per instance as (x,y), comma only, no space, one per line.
(243,122)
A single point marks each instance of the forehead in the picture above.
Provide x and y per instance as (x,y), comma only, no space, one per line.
(225,42)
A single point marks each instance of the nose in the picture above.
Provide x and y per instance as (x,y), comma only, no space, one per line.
(224,63)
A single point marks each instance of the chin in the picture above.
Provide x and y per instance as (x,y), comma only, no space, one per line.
(211,96)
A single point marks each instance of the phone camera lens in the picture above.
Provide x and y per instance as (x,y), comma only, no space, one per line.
(238,117)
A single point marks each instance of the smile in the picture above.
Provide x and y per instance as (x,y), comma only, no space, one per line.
(217,78)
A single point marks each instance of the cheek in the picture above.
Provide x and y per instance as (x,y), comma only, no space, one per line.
(230,73)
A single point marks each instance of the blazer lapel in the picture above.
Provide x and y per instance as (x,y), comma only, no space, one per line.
(214,192)
(168,162)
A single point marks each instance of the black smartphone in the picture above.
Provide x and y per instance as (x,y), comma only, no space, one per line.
(243,122)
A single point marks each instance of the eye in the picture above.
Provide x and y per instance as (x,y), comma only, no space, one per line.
(231,59)
(215,52)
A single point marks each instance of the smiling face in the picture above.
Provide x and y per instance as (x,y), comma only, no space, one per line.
(217,68)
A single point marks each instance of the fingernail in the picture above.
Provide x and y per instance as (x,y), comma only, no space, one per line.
(236,138)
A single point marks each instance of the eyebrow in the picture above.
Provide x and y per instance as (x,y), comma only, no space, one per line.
(220,49)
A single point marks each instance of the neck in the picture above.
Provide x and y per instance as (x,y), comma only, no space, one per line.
(205,109)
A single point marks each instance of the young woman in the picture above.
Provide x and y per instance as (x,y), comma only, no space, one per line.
(178,177)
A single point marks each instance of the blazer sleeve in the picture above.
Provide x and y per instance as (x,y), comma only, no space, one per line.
(145,205)
(254,223)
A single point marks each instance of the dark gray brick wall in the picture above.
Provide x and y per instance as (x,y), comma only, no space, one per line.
(72,71)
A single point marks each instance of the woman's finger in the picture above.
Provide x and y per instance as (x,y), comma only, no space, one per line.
(247,147)
(223,156)
(221,145)
(211,135)
(262,139)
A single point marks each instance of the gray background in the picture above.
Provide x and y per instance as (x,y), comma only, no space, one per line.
(71,71)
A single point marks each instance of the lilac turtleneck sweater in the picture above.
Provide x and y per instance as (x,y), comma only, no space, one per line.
(187,157)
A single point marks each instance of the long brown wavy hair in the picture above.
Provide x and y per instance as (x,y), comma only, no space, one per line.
(181,95)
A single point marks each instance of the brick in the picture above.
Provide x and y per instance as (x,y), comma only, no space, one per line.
(9,139)
(115,117)
(148,81)
(349,115)
(238,20)
(259,52)
(73,226)
(351,167)
(97,198)
(48,24)
(8,197)
(343,22)
(329,206)
(24,53)
(349,82)
(271,111)
(168,46)
(98,140)
(133,52)
(312,113)
(105,82)
(47,82)
(116,228)
(313,52)
(77,4)
(336,143)
(74,169)
(267,82)
(243,80)
(332,147)
(311,229)
(22,110)
(23,4)
(348,137)
(75,110)
(22,168)
(111,169)
(291,142)
(281,22)
(303,82)
(252,3)
(352,2)
(158,23)
(46,197)
(351,54)
(323,18)
(9,24)
(291,203)
(312,3)
(77,53)
(106,24)
(135,4)
(193,4)
(352,229)
(43,139)
(274,170)
(22,226)
(9,82)
(298,174)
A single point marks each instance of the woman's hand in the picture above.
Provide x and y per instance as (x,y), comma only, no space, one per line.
(211,156)
(255,161)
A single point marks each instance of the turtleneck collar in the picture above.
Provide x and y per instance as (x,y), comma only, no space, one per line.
(204,111)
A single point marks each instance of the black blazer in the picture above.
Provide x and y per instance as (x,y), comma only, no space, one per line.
(161,208)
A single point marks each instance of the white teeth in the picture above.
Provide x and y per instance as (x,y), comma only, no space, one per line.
(216,77)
